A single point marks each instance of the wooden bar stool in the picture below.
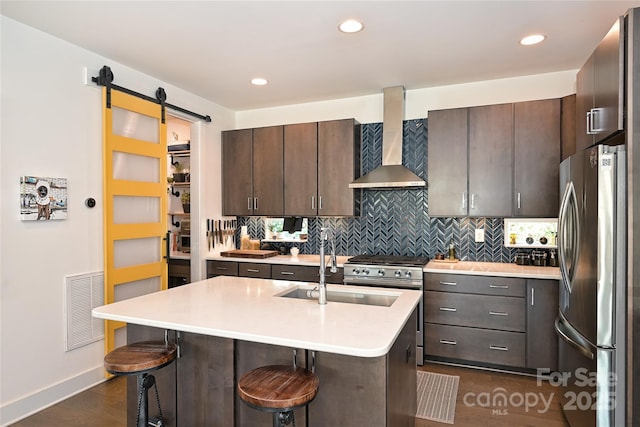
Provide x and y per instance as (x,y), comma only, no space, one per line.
(140,359)
(279,389)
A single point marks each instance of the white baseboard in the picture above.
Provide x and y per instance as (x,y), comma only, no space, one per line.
(20,408)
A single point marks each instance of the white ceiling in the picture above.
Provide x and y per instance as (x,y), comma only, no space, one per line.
(213,48)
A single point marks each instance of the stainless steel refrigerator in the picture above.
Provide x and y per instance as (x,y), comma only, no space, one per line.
(592,314)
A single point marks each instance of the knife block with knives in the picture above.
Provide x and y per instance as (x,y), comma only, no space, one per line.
(221,233)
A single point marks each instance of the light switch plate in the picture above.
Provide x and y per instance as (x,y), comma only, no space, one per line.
(479,235)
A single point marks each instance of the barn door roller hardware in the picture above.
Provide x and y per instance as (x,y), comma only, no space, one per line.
(105,78)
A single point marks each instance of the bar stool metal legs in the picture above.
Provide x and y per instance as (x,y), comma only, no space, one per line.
(139,359)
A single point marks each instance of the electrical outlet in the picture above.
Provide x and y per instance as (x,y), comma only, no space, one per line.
(479,235)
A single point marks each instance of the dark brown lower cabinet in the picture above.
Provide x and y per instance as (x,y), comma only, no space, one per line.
(179,272)
(542,310)
(254,269)
(303,273)
(221,268)
(299,273)
(484,320)
(475,344)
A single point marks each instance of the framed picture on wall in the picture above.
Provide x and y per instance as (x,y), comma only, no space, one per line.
(42,198)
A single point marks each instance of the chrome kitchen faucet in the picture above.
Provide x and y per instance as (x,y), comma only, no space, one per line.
(322,288)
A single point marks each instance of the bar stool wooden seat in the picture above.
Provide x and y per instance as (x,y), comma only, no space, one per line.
(279,389)
(139,359)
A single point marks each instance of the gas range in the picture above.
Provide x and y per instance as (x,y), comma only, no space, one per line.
(385,270)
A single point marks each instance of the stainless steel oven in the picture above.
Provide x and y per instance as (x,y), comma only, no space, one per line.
(388,271)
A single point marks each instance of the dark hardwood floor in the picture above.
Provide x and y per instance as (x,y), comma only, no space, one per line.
(104,404)
(101,406)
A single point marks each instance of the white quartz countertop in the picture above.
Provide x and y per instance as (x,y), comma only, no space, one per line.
(300,259)
(250,309)
(493,269)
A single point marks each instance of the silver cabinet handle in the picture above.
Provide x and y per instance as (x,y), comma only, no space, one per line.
(595,125)
(448,309)
(464,201)
(253,270)
(313,203)
(498,347)
(320,203)
(448,342)
(287,273)
(518,197)
(498,313)
(473,201)
(498,286)
(533,297)
(222,268)
(249,206)
(448,283)
(255,203)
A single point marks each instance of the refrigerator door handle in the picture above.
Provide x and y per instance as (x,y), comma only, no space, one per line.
(568,235)
(570,336)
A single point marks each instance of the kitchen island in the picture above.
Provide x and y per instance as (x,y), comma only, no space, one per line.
(363,354)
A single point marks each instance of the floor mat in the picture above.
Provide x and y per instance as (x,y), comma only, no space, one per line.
(437,394)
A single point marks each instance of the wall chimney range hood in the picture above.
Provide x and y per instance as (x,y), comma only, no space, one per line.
(391,174)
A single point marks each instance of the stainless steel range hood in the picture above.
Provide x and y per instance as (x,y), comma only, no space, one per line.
(391,174)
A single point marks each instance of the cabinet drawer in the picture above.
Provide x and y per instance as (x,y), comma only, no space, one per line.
(250,269)
(222,268)
(473,344)
(294,272)
(305,274)
(479,311)
(486,285)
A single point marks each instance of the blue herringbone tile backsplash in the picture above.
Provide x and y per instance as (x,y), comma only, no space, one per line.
(396,222)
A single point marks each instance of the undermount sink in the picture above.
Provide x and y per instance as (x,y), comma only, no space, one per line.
(381,299)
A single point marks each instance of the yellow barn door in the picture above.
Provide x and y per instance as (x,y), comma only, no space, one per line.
(135,202)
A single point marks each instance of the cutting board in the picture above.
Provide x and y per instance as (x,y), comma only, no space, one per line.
(248,253)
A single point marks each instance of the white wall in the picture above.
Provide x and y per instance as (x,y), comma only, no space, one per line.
(51,125)
(368,109)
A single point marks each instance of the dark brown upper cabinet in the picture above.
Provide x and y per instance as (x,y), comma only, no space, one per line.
(600,90)
(338,166)
(495,160)
(321,159)
(300,169)
(537,144)
(252,172)
(490,160)
(447,162)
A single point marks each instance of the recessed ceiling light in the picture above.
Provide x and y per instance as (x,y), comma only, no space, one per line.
(532,39)
(350,26)
(259,81)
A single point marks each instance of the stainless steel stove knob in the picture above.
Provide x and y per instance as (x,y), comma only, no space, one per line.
(356,271)
(407,274)
(398,273)
(380,272)
(365,271)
